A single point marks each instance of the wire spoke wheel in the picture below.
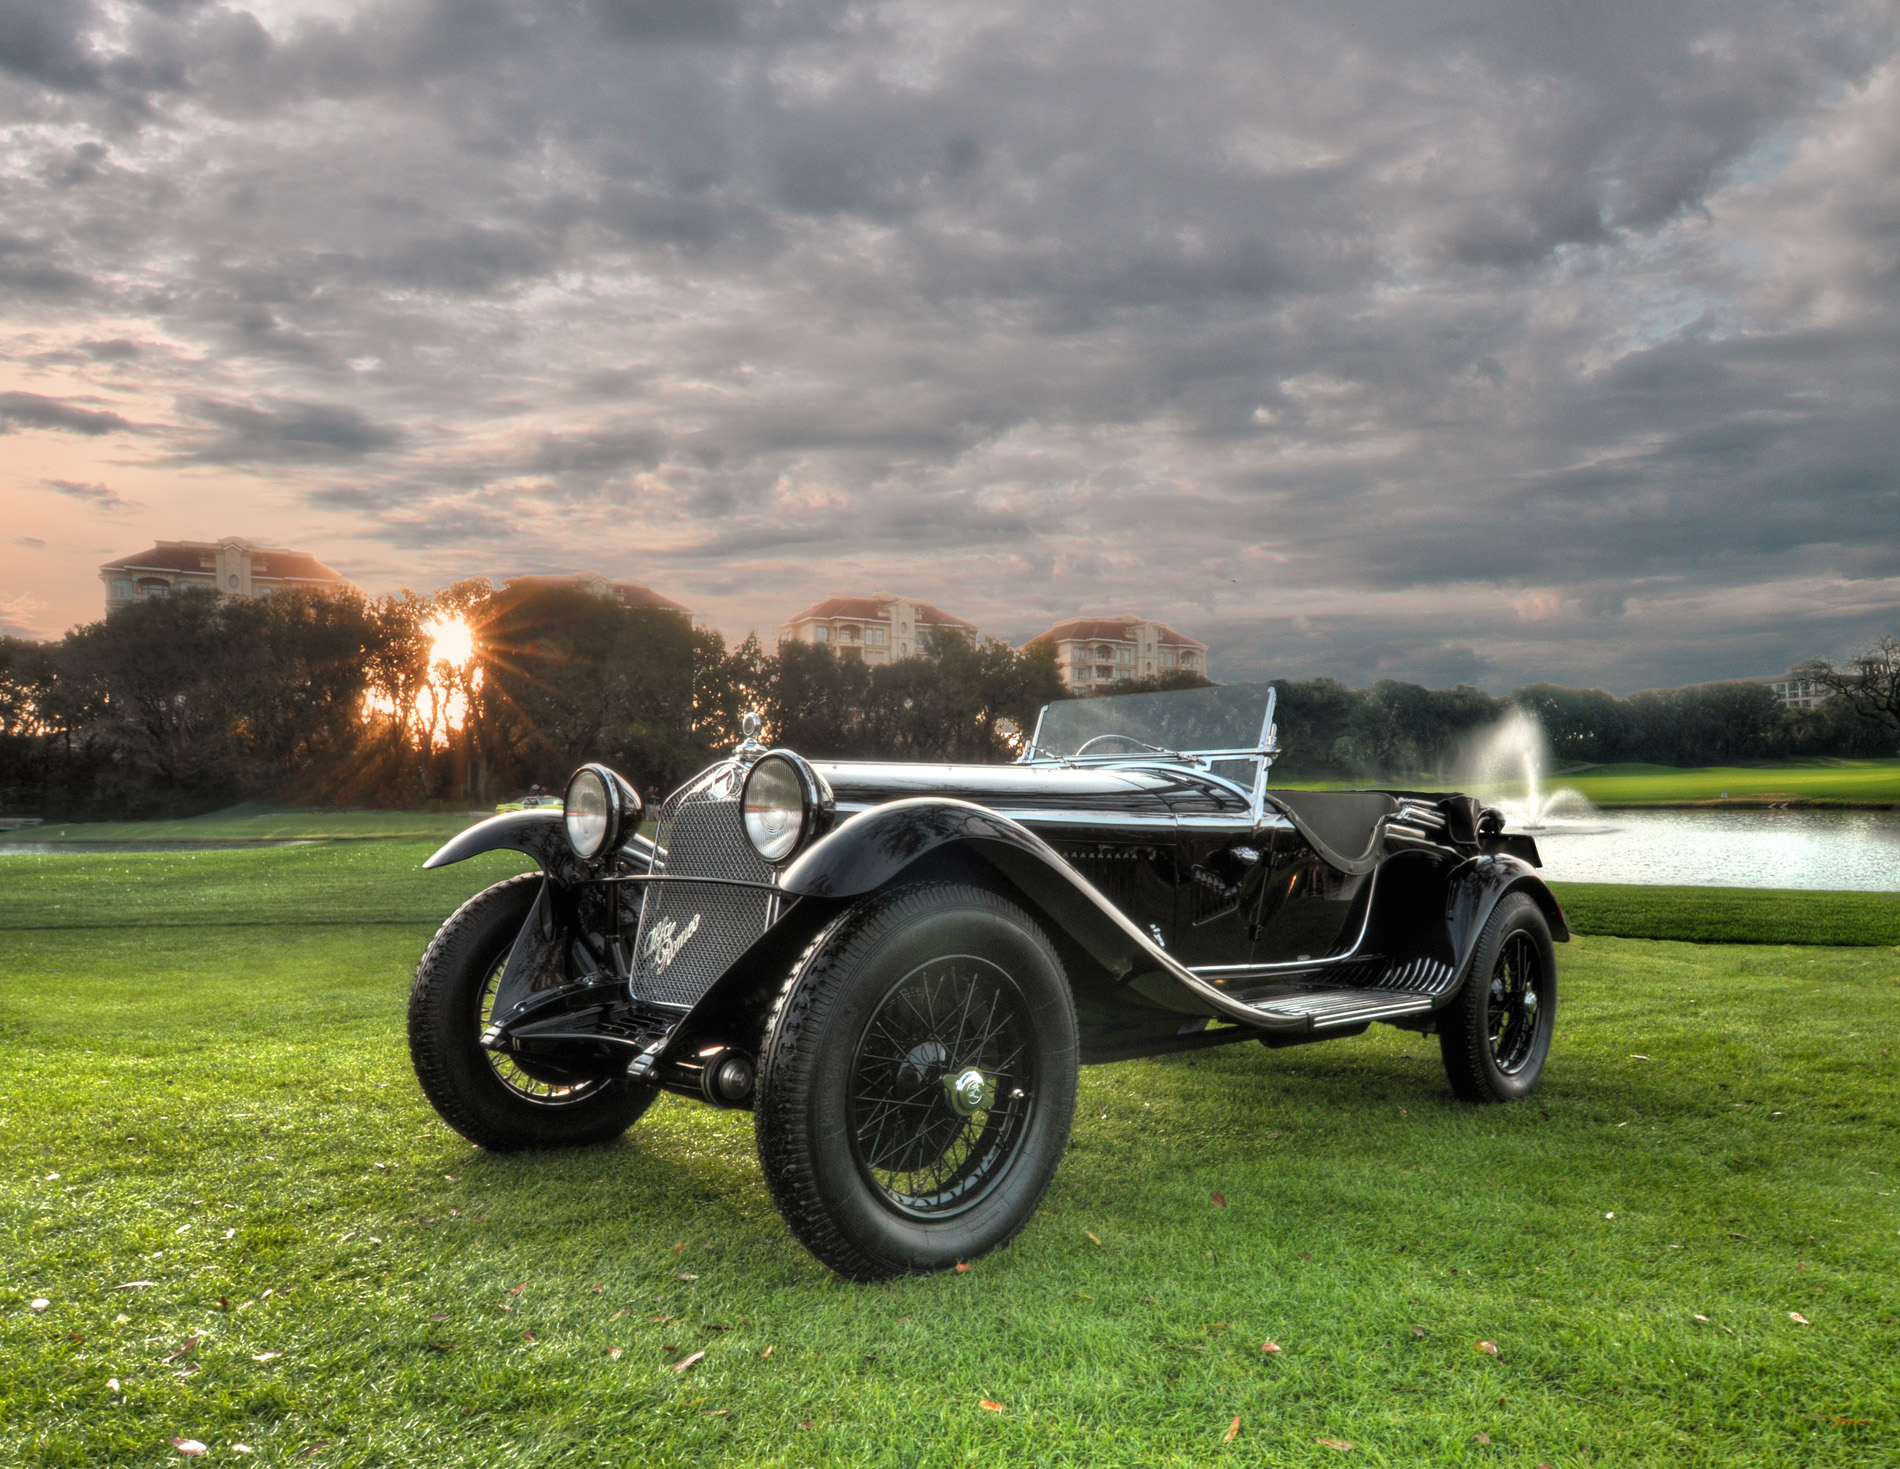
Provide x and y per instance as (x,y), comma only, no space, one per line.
(1511,1007)
(942,1087)
(508,1071)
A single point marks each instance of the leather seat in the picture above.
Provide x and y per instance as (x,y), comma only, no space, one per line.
(1344,827)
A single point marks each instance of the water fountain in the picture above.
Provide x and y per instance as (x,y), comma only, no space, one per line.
(1514,750)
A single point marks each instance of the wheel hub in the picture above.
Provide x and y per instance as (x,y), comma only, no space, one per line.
(970,1092)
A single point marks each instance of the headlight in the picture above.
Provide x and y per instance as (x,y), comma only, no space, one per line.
(785,802)
(598,808)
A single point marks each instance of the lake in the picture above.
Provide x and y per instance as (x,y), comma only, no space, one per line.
(1825,850)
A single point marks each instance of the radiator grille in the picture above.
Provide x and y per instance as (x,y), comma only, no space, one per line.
(691,932)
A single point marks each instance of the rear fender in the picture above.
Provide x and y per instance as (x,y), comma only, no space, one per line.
(1475,888)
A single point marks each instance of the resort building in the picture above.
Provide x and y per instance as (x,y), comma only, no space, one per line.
(626,593)
(1794,691)
(232,566)
(1092,651)
(880,628)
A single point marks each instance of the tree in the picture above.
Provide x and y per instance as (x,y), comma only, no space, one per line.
(1870,685)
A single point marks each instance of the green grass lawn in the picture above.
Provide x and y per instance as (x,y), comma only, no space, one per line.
(1808,782)
(207,1089)
(252,824)
(1847,783)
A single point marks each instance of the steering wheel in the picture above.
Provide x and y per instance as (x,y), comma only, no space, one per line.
(1130,744)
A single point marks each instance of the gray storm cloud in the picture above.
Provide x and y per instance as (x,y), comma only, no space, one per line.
(1432,340)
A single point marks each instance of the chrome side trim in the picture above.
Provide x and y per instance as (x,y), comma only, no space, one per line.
(1305,966)
(1222,1003)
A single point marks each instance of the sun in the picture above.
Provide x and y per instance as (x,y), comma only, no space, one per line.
(451,641)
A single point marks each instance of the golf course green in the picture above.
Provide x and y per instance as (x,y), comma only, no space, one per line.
(230,1218)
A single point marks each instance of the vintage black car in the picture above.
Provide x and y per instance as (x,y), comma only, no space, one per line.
(899,967)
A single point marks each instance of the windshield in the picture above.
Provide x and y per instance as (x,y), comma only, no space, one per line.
(1230,719)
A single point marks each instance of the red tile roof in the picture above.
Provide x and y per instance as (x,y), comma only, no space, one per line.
(1115,629)
(270,563)
(875,609)
(632,594)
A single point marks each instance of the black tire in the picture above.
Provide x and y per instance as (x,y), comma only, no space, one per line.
(481,1095)
(881,1163)
(1496,1035)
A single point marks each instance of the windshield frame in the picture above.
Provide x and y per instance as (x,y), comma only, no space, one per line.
(1203,760)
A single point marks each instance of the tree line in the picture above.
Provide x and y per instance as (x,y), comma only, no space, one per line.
(184,704)
(180,704)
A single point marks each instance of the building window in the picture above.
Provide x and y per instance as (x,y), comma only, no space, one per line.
(1124,673)
(121,589)
(822,634)
(1124,655)
(1187,660)
(874,636)
(153,589)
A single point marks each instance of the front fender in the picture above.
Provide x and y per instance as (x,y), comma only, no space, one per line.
(1474,890)
(877,846)
(542,835)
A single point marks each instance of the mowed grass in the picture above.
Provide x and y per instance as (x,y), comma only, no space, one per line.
(1843,783)
(1701,915)
(251,823)
(206,1099)
(1804,782)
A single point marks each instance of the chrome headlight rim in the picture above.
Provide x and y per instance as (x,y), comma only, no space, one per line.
(814,799)
(620,804)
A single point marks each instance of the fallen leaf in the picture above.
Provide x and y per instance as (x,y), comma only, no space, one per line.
(191,1343)
(768,1351)
(265,1356)
(439,1316)
(618,1314)
(661,1320)
(805,1424)
(1220,1200)
(1489,1348)
(242,1448)
(678,1247)
(685,1363)
(715,1413)
(1703,1319)
(1334,1443)
(519,1289)
(136,1285)
(112,1384)
(994,1407)
(1094,1238)
(1610,1215)
(224,1303)
(1481,1438)
(1233,1430)
(963,1266)
(597,1287)
(1418,1331)
(189,1447)
(529,1337)
(444,1347)
(684,1275)
(713,1326)
(230,1233)
(451,1178)
(1270,1347)
(1855,1422)
(1798,1318)
(75,1338)
(39,1303)
(613,1354)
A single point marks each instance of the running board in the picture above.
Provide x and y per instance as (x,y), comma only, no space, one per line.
(1338,1009)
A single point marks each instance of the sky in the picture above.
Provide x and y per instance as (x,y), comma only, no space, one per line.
(1444,340)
